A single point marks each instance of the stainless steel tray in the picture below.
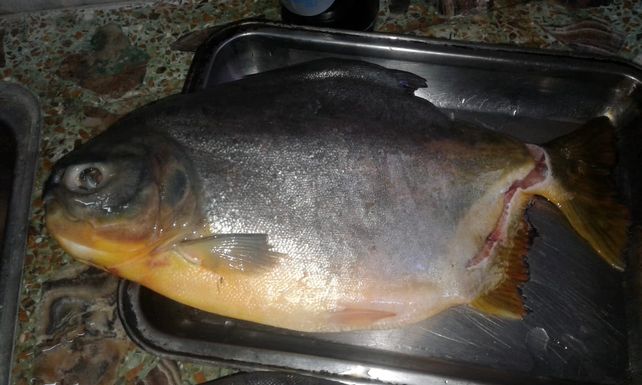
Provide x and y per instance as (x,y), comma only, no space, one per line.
(584,324)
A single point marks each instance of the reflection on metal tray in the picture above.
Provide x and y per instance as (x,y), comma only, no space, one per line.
(270,378)
(585,316)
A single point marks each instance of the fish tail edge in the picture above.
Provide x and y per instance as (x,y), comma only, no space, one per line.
(584,189)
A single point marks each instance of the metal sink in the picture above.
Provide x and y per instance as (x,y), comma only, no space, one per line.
(20,122)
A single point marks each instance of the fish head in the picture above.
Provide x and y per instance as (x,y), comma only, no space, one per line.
(121,196)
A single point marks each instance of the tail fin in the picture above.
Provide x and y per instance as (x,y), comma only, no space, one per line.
(584,188)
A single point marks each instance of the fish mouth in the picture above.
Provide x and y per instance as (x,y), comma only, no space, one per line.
(83,252)
(89,242)
(536,177)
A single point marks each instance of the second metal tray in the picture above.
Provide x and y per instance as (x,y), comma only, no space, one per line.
(20,124)
(584,324)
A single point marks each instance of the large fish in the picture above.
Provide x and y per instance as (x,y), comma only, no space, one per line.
(325,197)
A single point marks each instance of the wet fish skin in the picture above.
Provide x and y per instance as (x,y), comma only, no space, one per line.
(379,211)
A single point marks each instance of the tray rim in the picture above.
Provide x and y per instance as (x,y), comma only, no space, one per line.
(546,59)
(221,36)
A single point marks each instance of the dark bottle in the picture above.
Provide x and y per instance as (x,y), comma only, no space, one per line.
(344,14)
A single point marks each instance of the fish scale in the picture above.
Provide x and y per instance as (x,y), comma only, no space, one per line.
(331,218)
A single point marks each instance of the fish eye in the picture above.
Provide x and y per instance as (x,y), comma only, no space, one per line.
(85,178)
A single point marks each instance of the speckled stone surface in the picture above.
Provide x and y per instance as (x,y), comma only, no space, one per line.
(90,66)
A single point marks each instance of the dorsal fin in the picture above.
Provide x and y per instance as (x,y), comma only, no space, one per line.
(505,299)
(341,69)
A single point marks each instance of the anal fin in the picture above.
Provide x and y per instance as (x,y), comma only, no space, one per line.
(505,299)
(353,318)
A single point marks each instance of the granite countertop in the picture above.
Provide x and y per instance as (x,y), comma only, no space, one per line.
(89,66)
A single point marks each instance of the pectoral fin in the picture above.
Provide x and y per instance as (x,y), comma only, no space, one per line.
(244,252)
